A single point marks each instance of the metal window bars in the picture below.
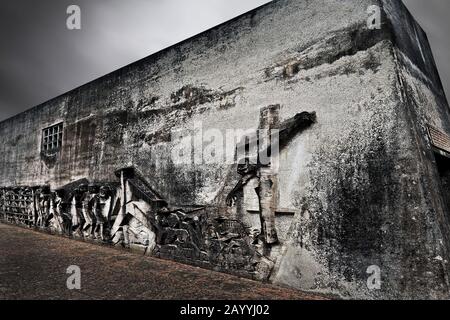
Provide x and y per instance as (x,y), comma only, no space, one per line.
(16,205)
(52,138)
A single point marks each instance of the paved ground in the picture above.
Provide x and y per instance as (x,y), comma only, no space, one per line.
(33,266)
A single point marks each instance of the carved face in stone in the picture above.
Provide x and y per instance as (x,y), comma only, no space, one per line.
(60,193)
(104,192)
(82,188)
(93,189)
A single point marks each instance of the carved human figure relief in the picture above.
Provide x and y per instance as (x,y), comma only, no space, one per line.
(102,208)
(88,198)
(76,212)
(56,220)
(264,175)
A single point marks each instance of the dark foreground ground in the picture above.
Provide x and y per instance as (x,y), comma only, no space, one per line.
(33,266)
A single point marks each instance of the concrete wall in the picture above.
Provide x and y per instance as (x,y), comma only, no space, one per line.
(423,99)
(370,196)
(359,188)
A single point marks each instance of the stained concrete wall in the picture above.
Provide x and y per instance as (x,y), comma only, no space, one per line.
(373,195)
(423,99)
(361,190)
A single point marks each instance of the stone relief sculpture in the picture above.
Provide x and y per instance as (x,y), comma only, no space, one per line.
(88,193)
(251,168)
(19,202)
(76,212)
(56,222)
(102,212)
(61,219)
(133,215)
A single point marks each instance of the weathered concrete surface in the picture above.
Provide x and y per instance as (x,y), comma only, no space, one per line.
(362,181)
(33,266)
(375,198)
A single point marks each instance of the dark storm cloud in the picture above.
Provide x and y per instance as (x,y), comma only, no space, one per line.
(40,58)
(433,16)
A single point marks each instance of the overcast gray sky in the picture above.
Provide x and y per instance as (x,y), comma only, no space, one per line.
(41,59)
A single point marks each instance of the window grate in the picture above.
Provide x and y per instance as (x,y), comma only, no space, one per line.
(52,138)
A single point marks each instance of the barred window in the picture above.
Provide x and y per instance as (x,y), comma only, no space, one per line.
(52,138)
